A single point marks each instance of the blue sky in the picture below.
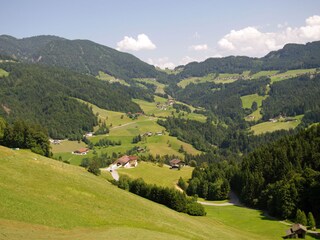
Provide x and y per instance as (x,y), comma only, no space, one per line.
(169,33)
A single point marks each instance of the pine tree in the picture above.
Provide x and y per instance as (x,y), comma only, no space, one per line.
(301,217)
(311,221)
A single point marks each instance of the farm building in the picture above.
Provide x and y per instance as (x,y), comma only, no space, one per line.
(176,163)
(296,231)
(81,151)
(126,161)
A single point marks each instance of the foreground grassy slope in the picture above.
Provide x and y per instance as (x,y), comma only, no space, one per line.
(46,199)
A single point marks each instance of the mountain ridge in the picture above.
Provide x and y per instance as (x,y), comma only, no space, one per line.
(291,56)
(83,56)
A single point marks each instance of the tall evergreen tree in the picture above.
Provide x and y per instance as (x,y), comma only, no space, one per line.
(311,221)
(301,217)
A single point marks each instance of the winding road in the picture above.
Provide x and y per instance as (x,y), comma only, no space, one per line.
(114,172)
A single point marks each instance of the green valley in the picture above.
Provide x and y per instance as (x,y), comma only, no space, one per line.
(97,144)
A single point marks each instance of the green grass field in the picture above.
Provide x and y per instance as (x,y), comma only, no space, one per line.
(220,78)
(106,77)
(46,199)
(247,103)
(249,99)
(150,108)
(3,73)
(291,74)
(160,86)
(153,174)
(264,74)
(274,126)
(67,146)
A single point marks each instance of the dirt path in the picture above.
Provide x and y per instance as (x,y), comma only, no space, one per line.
(113,173)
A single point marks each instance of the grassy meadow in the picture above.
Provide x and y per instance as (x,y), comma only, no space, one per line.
(46,199)
(264,74)
(106,77)
(160,86)
(150,108)
(291,74)
(247,103)
(154,174)
(274,126)
(3,73)
(249,99)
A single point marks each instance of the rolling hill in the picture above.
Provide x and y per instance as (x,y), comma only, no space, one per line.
(43,198)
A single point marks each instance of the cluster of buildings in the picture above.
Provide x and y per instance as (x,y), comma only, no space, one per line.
(164,106)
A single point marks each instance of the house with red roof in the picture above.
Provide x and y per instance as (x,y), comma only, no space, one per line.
(126,161)
(81,151)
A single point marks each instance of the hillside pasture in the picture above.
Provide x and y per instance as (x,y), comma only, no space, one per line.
(106,77)
(122,128)
(212,77)
(264,74)
(247,103)
(160,86)
(153,174)
(67,146)
(274,126)
(249,99)
(291,74)
(227,77)
(3,73)
(165,110)
(45,199)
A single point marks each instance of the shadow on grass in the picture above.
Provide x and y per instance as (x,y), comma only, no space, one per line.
(314,235)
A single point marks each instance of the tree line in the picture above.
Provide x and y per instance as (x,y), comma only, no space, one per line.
(280,177)
(169,197)
(283,176)
(292,97)
(21,134)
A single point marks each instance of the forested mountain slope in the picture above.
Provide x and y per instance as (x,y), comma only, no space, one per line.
(291,56)
(47,96)
(284,175)
(82,56)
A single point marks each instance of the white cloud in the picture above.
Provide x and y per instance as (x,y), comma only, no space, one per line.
(162,63)
(253,42)
(141,43)
(200,47)
(226,44)
(313,21)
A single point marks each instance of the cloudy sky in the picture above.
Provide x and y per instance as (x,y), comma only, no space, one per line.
(168,33)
